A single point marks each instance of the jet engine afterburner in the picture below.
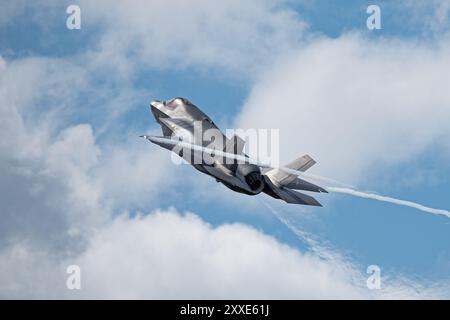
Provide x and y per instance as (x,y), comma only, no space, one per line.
(251,175)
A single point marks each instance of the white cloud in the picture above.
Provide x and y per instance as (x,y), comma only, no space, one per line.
(431,17)
(135,173)
(355,105)
(168,255)
(58,182)
(232,35)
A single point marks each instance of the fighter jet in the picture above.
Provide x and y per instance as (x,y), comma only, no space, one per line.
(224,158)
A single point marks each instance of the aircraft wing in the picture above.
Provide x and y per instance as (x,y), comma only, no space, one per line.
(280,189)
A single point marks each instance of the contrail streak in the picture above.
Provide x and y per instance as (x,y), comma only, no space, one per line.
(317,246)
(301,234)
(344,189)
(389,199)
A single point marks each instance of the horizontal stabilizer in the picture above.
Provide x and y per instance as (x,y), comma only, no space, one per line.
(290,196)
(300,184)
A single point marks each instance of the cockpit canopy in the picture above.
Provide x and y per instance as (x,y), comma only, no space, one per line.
(176,102)
(181,107)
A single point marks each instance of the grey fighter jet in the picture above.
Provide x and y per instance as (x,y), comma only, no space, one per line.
(184,125)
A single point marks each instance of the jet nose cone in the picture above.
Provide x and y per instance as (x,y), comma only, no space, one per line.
(156,104)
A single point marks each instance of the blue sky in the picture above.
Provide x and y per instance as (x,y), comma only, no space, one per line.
(404,242)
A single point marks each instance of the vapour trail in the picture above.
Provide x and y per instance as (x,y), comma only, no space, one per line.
(344,189)
(301,234)
(239,157)
(317,246)
(373,196)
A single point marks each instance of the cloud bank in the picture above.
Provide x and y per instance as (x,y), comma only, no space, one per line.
(355,105)
(173,256)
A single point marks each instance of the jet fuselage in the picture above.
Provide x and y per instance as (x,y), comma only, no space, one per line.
(192,135)
(182,120)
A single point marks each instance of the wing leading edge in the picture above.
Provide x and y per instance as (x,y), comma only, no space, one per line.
(278,182)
